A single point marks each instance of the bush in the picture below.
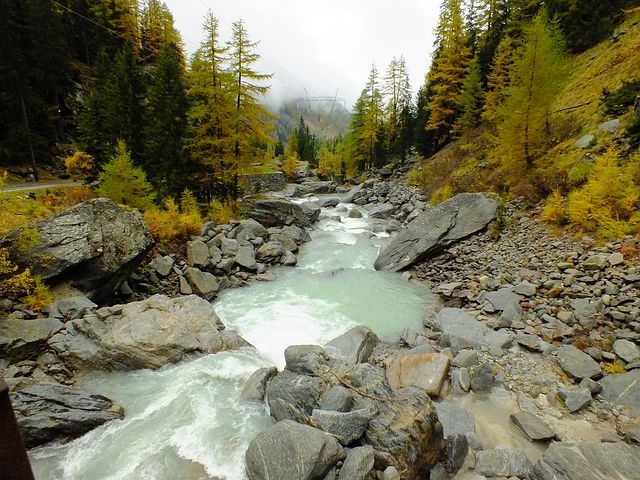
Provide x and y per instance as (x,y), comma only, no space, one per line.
(555,209)
(81,165)
(224,211)
(174,224)
(39,297)
(618,102)
(290,166)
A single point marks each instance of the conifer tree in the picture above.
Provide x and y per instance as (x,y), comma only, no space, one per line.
(398,110)
(372,122)
(471,100)
(498,79)
(156,30)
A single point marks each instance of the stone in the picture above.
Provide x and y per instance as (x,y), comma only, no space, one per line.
(47,412)
(506,462)
(615,259)
(256,385)
(162,265)
(70,308)
(623,389)
(382,210)
(594,387)
(463,331)
(466,358)
(626,350)
(315,187)
(427,371)
(575,398)
(460,380)
(215,255)
(305,359)
(503,299)
(255,228)
(346,427)
(354,346)
(246,258)
(482,378)
(203,284)
(95,245)
(437,228)
(447,289)
(529,342)
(609,126)
(526,289)
(271,252)
(354,194)
(358,464)
(533,427)
(277,213)
(183,286)
(455,420)
(287,243)
(312,211)
(585,141)
(337,398)
(456,449)
(293,396)
(296,233)
(289,259)
(290,450)
(593,461)
(578,364)
(145,334)
(228,246)
(595,262)
(197,254)
(22,339)
(355,213)
(324,202)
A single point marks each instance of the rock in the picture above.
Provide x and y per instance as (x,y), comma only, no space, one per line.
(197,254)
(503,299)
(296,233)
(437,228)
(626,350)
(95,245)
(623,389)
(256,385)
(256,229)
(277,213)
(246,258)
(358,464)
(482,378)
(22,339)
(506,462)
(289,259)
(595,262)
(305,359)
(312,211)
(162,265)
(203,284)
(466,358)
(463,331)
(575,398)
(337,398)
(293,396)
(382,210)
(354,194)
(355,213)
(427,371)
(529,342)
(460,380)
(354,346)
(287,243)
(578,364)
(456,449)
(610,126)
(145,334)
(324,202)
(289,450)
(271,252)
(315,186)
(390,473)
(228,246)
(346,427)
(532,426)
(47,412)
(526,289)
(615,259)
(593,461)
(447,289)
(183,286)
(70,308)
(585,141)
(455,420)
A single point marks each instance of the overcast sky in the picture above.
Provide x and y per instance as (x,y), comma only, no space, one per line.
(323,46)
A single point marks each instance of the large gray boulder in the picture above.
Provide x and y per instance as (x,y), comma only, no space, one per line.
(354,346)
(577,363)
(95,245)
(146,334)
(503,462)
(47,412)
(358,465)
(293,396)
(289,450)
(437,228)
(22,339)
(593,461)
(272,212)
(623,389)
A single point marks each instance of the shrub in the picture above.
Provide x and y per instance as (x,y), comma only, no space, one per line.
(555,209)
(290,166)
(174,224)
(80,165)
(39,296)
(442,194)
(618,102)
(223,211)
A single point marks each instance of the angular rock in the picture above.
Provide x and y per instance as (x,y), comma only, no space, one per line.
(337,398)
(354,346)
(47,412)
(305,359)
(271,252)
(577,363)
(162,265)
(526,289)
(623,389)
(593,461)
(455,420)
(457,447)
(70,308)
(22,339)
(255,228)
(289,450)
(575,398)
(463,331)
(466,358)
(95,245)
(382,210)
(246,258)
(277,213)
(626,350)
(505,462)
(296,233)
(203,284)
(354,194)
(355,213)
(585,141)
(482,378)
(358,464)
(503,299)
(289,244)
(427,371)
(532,426)
(312,212)
(293,396)
(346,427)
(146,334)
(256,385)
(595,262)
(610,125)
(437,228)
(197,253)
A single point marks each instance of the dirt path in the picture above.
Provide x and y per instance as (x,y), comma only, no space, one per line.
(18,187)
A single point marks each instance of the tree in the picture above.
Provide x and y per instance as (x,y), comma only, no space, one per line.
(372,121)
(156,30)
(123,183)
(535,79)
(498,79)
(398,109)
(307,144)
(471,100)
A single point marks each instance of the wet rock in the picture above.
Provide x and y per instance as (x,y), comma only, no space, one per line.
(532,426)
(312,211)
(575,398)
(70,308)
(291,450)
(278,213)
(294,396)
(427,371)
(577,363)
(21,339)
(305,359)
(256,385)
(346,427)
(623,389)
(246,258)
(456,449)
(47,412)
(595,461)
(455,420)
(482,378)
(202,283)
(463,331)
(437,228)
(382,210)
(354,194)
(358,464)
(95,245)
(626,350)
(355,213)
(354,346)
(146,334)
(506,462)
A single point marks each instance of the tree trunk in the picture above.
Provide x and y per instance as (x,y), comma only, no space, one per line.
(26,126)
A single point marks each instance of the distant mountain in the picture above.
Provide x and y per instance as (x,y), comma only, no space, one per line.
(325,119)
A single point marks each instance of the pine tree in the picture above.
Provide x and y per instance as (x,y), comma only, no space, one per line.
(498,79)
(371,134)
(534,80)
(471,100)
(156,30)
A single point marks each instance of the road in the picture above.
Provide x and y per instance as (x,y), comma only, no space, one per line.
(18,187)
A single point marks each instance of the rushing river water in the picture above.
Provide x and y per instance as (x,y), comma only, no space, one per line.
(185,421)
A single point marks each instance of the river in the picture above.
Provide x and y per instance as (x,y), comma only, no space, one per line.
(186,420)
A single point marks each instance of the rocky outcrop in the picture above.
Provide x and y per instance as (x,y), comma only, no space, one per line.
(22,339)
(47,412)
(437,228)
(95,245)
(272,212)
(145,334)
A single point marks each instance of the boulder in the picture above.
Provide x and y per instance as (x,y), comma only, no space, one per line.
(255,228)
(382,210)
(197,254)
(358,464)
(256,385)
(354,346)
(354,194)
(70,308)
(277,213)
(202,283)
(416,368)
(337,398)
(162,265)
(47,412)
(289,450)
(315,186)
(312,211)
(305,359)
(346,427)
(95,245)
(462,331)
(246,258)
(626,350)
(503,462)
(578,364)
(623,389)
(271,252)
(327,202)
(575,398)
(145,334)
(23,339)
(595,461)
(532,426)
(296,233)
(455,420)
(437,228)
(293,396)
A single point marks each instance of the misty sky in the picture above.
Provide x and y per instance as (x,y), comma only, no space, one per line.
(322,46)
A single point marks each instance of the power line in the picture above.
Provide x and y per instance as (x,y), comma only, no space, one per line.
(83,17)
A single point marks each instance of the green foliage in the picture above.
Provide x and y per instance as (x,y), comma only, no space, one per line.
(555,209)
(290,165)
(80,165)
(123,183)
(617,103)
(174,224)
(39,296)
(471,100)
(580,172)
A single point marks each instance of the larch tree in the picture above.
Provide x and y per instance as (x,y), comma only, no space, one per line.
(471,100)
(535,78)
(156,30)
(498,79)
(398,108)
(372,123)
